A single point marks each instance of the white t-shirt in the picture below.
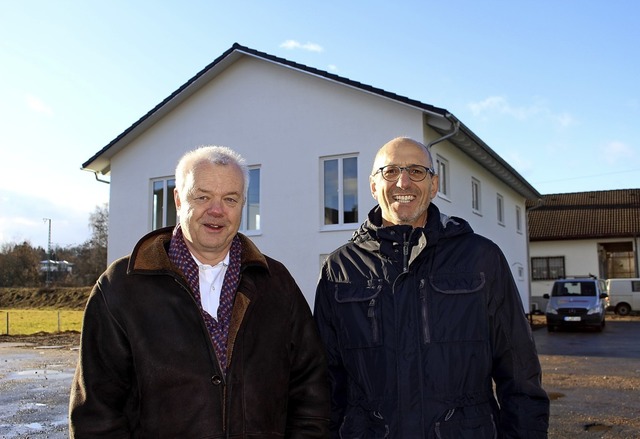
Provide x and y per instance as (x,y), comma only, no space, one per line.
(211,280)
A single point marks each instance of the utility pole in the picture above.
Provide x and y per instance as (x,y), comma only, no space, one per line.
(48,251)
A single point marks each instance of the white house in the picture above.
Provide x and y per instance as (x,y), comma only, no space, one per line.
(583,233)
(310,137)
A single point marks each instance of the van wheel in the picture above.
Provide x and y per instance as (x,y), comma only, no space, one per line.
(623,309)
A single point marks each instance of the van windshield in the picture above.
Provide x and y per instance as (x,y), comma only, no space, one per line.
(574,289)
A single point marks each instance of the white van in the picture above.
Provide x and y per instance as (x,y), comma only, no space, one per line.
(624,295)
(577,302)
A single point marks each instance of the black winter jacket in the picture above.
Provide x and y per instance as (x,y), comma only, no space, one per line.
(417,324)
(148,368)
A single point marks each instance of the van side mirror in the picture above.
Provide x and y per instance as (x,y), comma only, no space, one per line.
(604,295)
(545,296)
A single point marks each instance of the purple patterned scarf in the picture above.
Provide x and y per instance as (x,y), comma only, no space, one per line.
(218,328)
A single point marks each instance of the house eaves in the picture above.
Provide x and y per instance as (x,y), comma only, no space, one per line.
(438,118)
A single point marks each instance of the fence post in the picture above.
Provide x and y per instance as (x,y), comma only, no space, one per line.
(7,322)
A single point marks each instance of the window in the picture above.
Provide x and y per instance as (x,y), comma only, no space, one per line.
(475,195)
(635,286)
(340,190)
(163,206)
(443,176)
(251,210)
(547,268)
(518,219)
(500,206)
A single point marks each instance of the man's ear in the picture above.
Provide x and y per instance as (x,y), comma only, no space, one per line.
(176,199)
(372,185)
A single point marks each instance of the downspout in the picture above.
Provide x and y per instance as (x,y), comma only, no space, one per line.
(538,205)
(95,173)
(455,128)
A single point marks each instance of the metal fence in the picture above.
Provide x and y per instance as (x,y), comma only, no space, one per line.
(27,321)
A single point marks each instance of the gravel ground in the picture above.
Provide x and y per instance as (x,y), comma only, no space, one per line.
(35,376)
(599,398)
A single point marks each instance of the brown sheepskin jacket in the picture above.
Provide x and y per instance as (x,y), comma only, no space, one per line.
(147,366)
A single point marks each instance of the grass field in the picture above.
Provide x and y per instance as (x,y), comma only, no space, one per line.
(14,321)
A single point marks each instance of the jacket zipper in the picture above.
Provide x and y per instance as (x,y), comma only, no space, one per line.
(405,255)
(426,335)
(371,313)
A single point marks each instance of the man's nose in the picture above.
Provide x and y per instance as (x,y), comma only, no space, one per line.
(404,181)
(215,207)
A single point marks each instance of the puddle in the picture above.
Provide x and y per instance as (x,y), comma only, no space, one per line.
(44,374)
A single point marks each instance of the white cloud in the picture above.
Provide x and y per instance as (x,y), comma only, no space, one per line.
(293,44)
(38,105)
(332,68)
(615,151)
(499,105)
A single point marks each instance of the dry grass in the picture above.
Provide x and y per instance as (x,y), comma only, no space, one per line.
(27,311)
(34,321)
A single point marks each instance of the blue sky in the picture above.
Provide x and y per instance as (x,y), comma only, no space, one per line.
(551,86)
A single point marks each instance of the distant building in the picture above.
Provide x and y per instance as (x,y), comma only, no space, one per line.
(56,267)
(583,233)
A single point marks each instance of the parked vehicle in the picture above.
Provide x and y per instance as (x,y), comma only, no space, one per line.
(624,295)
(577,302)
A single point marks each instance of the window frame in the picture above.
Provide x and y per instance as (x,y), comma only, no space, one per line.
(245,209)
(546,274)
(500,209)
(442,169)
(168,200)
(341,224)
(476,196)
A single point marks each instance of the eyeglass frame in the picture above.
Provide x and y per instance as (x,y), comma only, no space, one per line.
(405,168)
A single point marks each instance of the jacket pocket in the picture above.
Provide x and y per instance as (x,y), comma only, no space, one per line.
(477,428)
(361,424)
(456,307)
(457,283)
(359,313)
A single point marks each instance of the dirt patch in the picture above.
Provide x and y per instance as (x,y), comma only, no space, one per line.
(68,339)
(35,298)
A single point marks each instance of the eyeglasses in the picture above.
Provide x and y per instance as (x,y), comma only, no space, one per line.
(415,172)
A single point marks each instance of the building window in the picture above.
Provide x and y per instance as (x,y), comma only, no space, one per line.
(500,207)
(548,268)
(340,190)
(163,206)
(475,195)
(443,176)
(251,210)
(518,219)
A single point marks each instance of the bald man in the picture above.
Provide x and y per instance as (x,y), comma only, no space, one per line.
(421,320)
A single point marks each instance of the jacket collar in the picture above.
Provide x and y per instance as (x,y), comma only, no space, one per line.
(150,253)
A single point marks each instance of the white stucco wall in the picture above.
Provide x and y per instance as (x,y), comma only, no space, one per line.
(581,258)
(285,121)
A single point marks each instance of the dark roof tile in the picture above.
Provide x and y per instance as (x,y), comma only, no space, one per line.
(585,215)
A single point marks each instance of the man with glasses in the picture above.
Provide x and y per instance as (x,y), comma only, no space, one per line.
(422,320)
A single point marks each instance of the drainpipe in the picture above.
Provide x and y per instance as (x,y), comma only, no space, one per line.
(455,128)
(95,173)
(538,205)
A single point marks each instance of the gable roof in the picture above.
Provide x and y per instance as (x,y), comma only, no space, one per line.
(439,119)
(585,215)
